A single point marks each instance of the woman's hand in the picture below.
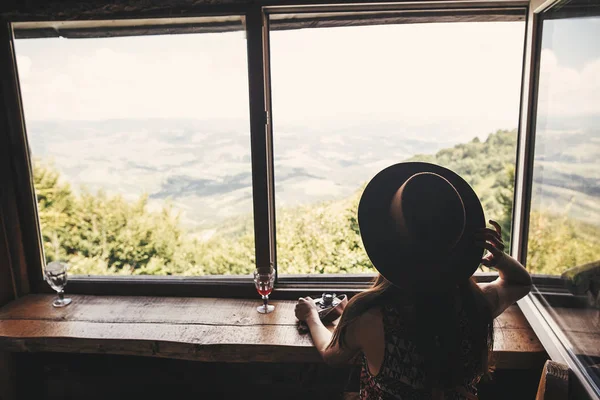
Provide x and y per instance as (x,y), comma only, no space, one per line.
(491,240)
(513,281)
(306,309)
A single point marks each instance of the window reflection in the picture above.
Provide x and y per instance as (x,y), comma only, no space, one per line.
(564,232)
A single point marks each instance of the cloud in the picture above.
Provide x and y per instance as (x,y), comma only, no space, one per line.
(411,74)
(145,77)
(23,65)
(566,91)
(61,83)
(468,73)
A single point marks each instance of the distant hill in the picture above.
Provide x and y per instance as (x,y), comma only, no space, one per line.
(203,167)
(101,233)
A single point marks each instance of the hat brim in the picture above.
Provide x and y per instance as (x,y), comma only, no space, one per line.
(391,259)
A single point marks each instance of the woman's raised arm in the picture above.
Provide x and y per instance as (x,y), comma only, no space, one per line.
(513,283)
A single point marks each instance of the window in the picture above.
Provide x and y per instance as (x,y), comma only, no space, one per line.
(149,159)
(141,144)
(141,148)
(349,101)
(564,225)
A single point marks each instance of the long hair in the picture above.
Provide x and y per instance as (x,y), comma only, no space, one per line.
(437,334)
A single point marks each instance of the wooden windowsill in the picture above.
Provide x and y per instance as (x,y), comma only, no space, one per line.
(203,329)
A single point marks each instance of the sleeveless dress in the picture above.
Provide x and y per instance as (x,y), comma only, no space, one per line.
(402,373)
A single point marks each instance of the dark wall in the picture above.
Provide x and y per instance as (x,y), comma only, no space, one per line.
(106,377)
(68,376)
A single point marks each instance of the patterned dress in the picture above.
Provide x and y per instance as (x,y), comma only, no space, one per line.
(402,373)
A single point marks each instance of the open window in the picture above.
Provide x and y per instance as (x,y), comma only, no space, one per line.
(560,234)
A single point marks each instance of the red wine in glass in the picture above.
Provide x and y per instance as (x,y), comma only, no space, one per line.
(264,281)
(264,291)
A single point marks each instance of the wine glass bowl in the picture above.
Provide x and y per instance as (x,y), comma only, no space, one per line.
(264,281)
(55,274)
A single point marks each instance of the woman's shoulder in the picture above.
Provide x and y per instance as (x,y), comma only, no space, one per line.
(368,329)
(382,315)
(368,322)
(372,315)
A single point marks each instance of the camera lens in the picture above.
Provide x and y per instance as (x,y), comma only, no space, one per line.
(328,298)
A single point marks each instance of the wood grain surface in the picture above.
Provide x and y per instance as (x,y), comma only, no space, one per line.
(581,326)
(205,329)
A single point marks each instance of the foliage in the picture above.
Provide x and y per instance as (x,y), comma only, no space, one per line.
(321,239)
(99,234)
(557,243)
(504,197)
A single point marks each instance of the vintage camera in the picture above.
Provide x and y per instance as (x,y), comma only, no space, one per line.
(326,301)
(330,307)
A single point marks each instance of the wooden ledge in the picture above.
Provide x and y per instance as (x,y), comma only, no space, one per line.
(203,329)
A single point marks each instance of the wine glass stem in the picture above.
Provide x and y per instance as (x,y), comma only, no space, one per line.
(266,301)
(61,295)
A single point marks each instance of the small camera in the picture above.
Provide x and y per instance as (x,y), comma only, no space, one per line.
(330,307)
(325,301)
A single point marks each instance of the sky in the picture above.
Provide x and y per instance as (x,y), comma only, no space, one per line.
(570,68)
(414,74)
(197,76)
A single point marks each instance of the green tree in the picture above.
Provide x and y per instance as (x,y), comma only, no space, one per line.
(505,196)
(103,232)
(55,209)
(557,243)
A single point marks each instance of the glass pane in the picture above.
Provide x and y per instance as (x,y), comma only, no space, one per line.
(564,231)
(350,101)
(141,152)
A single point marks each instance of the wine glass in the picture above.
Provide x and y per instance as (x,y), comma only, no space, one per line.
(56,276)
(264,280)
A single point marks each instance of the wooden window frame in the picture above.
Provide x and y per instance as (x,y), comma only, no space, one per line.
(28,261)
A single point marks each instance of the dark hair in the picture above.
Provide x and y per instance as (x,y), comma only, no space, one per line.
(437,333)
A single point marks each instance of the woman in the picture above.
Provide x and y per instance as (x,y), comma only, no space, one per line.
(425,328)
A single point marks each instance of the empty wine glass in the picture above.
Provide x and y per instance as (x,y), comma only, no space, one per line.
(56,276)
(264,281)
